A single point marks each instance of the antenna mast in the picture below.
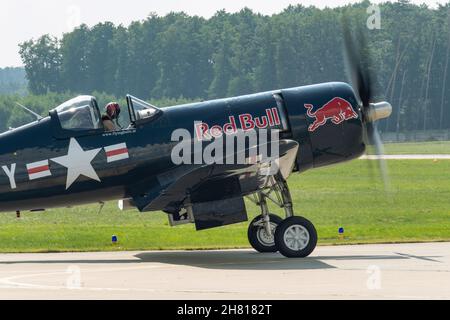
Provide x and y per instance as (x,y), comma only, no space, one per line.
(38,117)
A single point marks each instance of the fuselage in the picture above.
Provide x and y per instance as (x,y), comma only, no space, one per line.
(35,159)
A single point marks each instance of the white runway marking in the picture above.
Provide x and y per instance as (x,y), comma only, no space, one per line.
(403,271)
(407,157)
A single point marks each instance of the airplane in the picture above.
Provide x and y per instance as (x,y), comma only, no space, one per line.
(68,158)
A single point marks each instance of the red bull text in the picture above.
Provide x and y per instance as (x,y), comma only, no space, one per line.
(204,131)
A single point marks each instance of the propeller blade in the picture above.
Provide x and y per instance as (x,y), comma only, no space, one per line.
(382,165)
(357,63)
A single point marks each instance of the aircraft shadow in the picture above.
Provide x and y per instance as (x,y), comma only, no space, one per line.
(245,260)
(221,260)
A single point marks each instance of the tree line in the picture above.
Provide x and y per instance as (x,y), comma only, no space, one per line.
(178,56)
(12,80)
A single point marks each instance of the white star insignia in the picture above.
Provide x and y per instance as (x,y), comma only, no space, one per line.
(78,163)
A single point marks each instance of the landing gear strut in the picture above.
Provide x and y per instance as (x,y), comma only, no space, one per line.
(293,237)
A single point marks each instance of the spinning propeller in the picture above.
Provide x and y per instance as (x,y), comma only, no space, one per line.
(358,66)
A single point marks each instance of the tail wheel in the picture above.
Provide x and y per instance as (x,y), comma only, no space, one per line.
(257,234)
(295,237)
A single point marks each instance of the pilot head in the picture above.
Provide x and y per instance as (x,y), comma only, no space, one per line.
(113,110)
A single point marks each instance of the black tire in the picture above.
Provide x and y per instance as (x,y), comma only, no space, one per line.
(286,237)
(257,235)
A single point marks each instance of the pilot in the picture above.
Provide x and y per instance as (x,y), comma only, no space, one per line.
(112,110)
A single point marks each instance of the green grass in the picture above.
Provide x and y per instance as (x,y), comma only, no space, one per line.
(418,209)
(435,147)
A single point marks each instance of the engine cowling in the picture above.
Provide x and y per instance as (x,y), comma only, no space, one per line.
(326,121)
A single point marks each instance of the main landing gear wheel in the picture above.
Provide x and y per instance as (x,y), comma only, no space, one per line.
(258,237)
(295,237)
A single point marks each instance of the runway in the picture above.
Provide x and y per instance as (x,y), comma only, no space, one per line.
(394,271)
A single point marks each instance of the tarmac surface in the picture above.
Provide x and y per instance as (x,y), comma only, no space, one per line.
(385,271)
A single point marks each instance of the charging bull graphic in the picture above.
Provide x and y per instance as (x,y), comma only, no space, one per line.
(337,109)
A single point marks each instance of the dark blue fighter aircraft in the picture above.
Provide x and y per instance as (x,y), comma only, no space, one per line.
(70,158)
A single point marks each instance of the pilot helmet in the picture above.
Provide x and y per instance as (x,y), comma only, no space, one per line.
(113,110)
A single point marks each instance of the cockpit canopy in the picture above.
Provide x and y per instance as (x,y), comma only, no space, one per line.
(82,115)
(140,110)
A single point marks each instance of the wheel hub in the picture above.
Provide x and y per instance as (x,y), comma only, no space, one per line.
(264,238)
(296,237)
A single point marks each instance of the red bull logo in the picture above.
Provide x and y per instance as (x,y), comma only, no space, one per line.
(337,109)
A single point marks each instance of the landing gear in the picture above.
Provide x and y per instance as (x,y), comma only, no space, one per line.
(294,237)
(259,238)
